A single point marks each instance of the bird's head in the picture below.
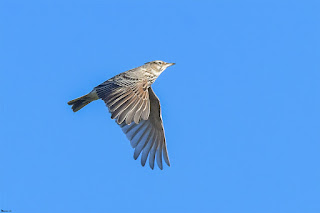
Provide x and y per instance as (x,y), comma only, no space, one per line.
(159,66)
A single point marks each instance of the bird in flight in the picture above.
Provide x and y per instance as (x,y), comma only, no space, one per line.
(136,108)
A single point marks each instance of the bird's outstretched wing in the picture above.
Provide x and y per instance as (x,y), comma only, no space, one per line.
(148,137)
(127,100)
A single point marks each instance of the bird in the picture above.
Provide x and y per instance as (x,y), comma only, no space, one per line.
(136,109)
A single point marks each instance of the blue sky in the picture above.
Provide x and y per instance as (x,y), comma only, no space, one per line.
(240,107)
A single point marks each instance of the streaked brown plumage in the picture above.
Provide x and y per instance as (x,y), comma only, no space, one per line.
(132,102)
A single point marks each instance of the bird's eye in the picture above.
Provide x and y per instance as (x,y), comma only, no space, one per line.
(159,62)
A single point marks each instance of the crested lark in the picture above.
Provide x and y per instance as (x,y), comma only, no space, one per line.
(132,102)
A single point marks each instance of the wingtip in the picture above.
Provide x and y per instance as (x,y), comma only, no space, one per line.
(135,155)
(151,166)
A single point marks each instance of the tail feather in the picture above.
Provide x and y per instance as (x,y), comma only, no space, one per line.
(79,103)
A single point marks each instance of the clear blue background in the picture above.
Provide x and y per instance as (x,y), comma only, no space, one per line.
(240,108)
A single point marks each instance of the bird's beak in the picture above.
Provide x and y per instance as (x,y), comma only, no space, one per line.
(170,64)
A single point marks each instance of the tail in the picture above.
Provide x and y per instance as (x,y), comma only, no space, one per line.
(79,103)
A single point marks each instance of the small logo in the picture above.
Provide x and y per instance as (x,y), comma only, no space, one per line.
(2,210)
